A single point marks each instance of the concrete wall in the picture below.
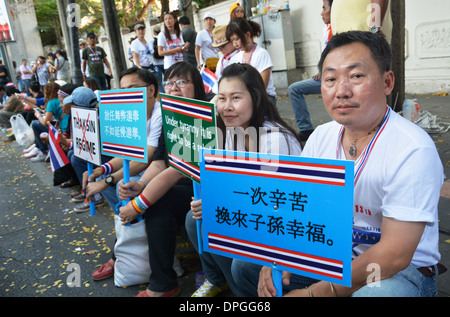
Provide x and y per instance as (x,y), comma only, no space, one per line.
(28,41)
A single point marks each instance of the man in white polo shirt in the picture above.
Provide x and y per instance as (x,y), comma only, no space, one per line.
(398,177)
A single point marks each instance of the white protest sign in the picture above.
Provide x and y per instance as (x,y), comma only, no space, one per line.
(86,134)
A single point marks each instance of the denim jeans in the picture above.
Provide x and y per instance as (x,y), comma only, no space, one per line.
(101,81)
(296,95)
(407,283)
(217,268)
(38,128)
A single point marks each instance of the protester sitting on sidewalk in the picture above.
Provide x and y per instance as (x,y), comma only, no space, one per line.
(242,103)
(12,106)
(399,180)
(311,85)
(112,171)
(241,33)
(104,179)
(34,92)
(168,193)
(81,97)
(53,113)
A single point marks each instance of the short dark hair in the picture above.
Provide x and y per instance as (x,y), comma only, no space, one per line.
(376,43)
(34,86)
(183,69)
(90,35)
(144,75)
(11,90)
(68,88)
(184,20)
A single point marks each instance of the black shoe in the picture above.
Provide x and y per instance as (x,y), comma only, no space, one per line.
(304,135)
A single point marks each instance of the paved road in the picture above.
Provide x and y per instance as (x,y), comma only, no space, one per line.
(42,239)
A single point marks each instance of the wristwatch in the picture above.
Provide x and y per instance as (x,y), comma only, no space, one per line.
(375,29)
(110,181)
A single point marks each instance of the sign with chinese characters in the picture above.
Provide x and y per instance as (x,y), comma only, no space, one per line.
(292,212)
(86,134)
(123,123)
(189,125)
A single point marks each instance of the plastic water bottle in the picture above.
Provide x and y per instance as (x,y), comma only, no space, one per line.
(286,4)
(411,110)
(407,109)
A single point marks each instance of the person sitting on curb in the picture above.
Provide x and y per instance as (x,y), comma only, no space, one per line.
(398,177)
(104,179)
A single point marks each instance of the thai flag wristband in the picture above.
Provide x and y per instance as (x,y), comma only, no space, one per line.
(140,204)
(107,168)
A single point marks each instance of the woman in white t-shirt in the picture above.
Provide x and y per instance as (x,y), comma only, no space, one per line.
(242,106)
(142,50)
(241,33)
(170,42)
(203,42)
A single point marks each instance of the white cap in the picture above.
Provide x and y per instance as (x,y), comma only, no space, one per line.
(209,15)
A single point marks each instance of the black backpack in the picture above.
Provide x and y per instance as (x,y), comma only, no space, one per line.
(155,49)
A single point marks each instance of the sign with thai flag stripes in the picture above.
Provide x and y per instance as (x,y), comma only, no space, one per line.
(123,123)
(189,125)
(269,209)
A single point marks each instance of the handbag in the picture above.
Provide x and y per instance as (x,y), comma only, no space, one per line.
(22,131)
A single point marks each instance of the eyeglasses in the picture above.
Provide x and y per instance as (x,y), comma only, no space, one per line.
(181,83)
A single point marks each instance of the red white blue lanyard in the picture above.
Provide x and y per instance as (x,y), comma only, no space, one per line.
(364,157)
(251,54)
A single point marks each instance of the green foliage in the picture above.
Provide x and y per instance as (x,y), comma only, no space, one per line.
(205,3)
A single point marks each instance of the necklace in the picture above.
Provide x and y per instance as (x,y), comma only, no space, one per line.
(352,150)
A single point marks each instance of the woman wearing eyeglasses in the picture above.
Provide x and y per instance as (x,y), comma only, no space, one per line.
(166,199)
(170,42)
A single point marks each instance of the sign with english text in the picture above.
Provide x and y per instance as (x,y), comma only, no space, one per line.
(86,134)
(291,212)
(189,125)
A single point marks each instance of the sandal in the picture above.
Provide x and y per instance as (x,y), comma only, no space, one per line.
(69,183)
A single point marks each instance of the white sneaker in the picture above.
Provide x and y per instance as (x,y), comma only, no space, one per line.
(28,150)
(40,157)
(33,153)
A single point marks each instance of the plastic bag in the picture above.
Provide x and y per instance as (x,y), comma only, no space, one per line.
(132,265)
(22,131)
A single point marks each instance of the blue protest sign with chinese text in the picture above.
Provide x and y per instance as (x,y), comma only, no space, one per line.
(189,125)
(292,212)
(123,123)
